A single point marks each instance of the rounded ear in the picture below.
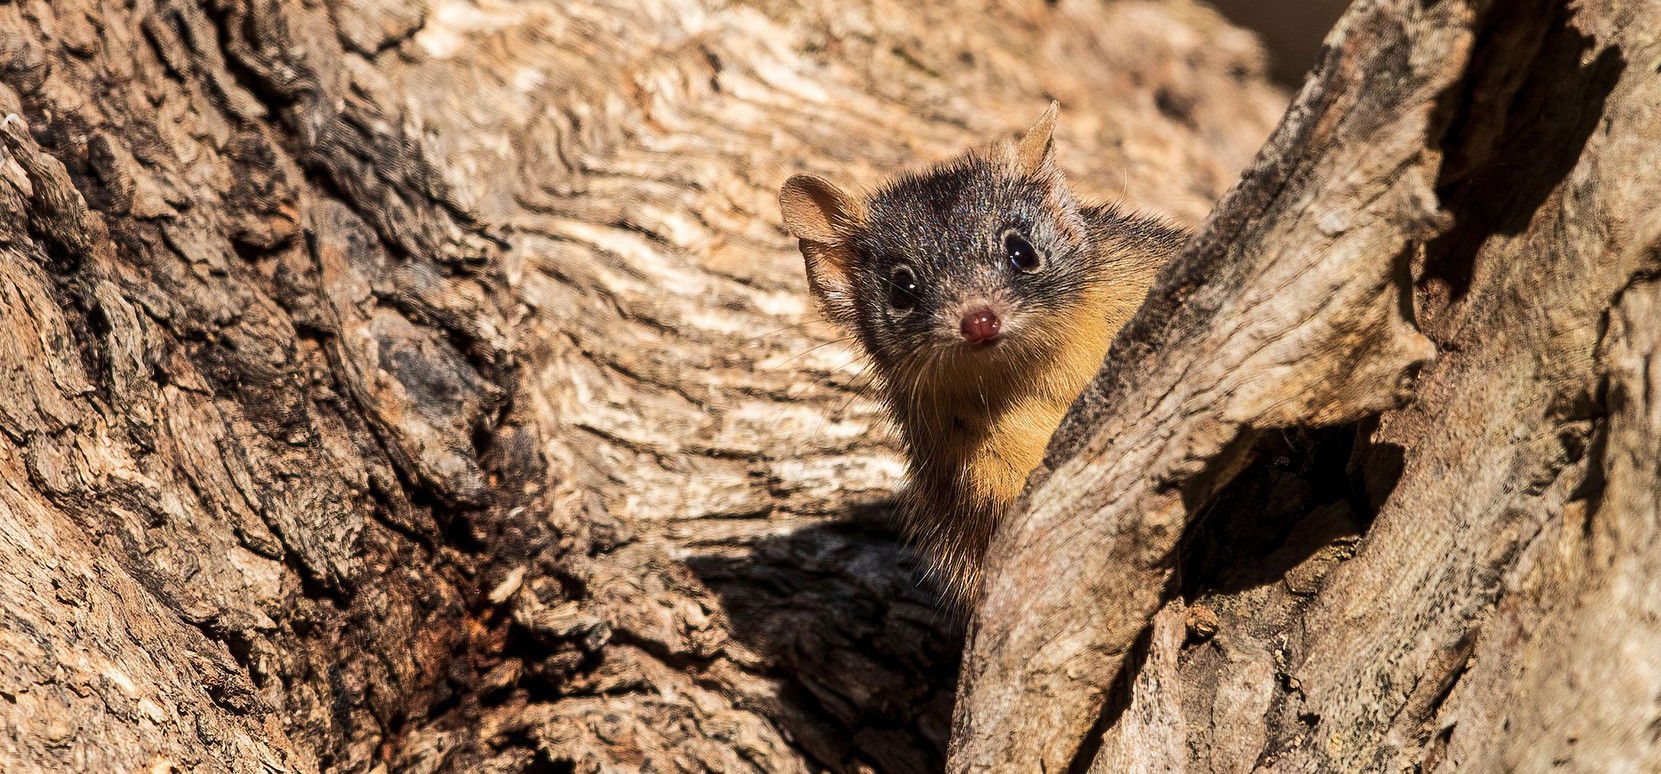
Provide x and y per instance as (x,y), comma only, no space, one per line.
(816,210)
(821,215)
(1037,149)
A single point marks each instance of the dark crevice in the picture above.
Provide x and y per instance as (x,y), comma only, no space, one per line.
(1295,496)
(1239,539)
(1512,136)
(1118,696)
(487,534)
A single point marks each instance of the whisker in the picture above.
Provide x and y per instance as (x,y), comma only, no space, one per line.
(859,392)
(820,345)
(793,326)
(819,427)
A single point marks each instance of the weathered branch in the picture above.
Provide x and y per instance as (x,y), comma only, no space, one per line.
(1427,141)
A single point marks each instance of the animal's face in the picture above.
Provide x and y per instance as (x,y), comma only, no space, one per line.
(969,262)
(967,269)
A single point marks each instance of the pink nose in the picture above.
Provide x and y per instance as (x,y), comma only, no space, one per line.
(980,325)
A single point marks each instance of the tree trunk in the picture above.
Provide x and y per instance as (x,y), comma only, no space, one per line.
(1256,545)
(429,386)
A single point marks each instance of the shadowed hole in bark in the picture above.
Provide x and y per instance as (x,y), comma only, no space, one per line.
(1289,503)
(93,347)
(1591,488)
(545,765)
(1374,470)
(841,613)
(1287,519)
(1502,164)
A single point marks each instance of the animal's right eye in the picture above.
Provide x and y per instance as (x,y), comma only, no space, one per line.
(902,289)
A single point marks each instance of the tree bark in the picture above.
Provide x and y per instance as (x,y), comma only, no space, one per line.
(395,385)
(1266,540)
(429,386)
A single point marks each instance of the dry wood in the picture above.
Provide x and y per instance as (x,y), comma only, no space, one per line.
(431,385)
(1474,173)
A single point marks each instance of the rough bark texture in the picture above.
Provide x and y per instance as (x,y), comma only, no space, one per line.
(1374,575)
(429,386)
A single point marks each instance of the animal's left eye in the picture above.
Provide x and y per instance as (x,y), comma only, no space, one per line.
(1022,255)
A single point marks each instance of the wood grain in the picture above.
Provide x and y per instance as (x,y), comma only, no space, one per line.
(409,385)
(1458,180)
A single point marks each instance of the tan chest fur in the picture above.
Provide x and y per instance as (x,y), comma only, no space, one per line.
(1005,446)
(977,428)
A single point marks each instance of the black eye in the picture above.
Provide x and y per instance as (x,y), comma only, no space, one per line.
(902,289)
(1021,253)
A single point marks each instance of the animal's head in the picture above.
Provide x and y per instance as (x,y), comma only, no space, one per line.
(980,259)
